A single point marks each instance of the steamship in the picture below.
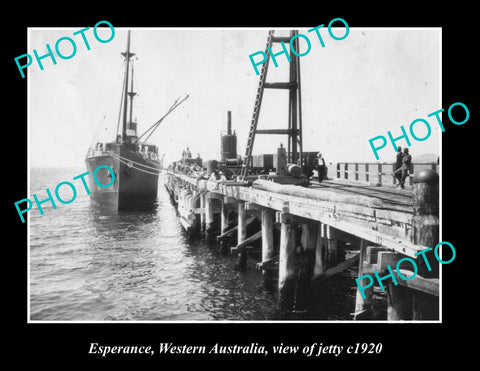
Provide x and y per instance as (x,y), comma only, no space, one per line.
(136,164)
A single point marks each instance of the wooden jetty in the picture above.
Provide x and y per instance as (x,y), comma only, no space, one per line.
(303,231)
(315,224)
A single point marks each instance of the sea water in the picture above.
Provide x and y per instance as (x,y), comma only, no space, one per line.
(89,264)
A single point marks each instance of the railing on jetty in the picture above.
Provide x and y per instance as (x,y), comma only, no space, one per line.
(379,174)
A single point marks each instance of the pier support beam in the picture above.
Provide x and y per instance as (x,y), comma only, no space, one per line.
(286,268)
(267,244)
(202,215)
(332,246)
(224,224)
(407,303)
(320,250)
(242,234)
(364,307)
(198,212)
(242,223)
(425,225)
(208,217)
(399,298)
(327,248)
(306,263)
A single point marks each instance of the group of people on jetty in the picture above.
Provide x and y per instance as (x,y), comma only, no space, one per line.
(187,164)
(190,166)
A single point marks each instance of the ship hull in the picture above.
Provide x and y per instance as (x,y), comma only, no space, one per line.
(136,182)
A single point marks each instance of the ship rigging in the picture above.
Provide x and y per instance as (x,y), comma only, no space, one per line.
(136,163)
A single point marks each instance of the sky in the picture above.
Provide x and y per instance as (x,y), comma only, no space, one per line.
(371,82)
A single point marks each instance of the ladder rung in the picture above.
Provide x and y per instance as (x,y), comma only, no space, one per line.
(280,85)
(277,39)
(273,131)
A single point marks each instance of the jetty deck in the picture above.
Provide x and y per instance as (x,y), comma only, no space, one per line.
(384,223)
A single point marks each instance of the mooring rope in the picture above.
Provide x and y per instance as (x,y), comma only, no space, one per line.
(130,164)
(133,162)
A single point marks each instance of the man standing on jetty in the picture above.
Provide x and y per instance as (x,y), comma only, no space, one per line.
(398,165)
(320,167)
(406,162)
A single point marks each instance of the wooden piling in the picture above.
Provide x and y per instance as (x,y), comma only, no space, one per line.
(224,223)
(406,303)
(208,217)
(286,267)
(331,245)
(306,263)
(197,212)
(310,232)
(202,215)
(320,250)
(399,298)
(242,234)
(363,307)
(267,216)
(425,226)
(425,223)
(242,223)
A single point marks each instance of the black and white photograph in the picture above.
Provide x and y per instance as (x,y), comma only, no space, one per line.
(234,192)
(217,190)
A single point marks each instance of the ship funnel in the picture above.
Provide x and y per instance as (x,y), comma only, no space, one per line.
(229,123)
(229,142)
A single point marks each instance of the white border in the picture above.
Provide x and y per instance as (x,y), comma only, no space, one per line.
(209,322)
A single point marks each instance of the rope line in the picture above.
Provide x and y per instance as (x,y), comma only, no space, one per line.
(136,168)
(121,104)
(133,162)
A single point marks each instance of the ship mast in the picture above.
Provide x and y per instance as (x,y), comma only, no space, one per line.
(127,56)
(131,94)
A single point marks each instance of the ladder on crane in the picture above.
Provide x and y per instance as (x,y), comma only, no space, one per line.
(294,131)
